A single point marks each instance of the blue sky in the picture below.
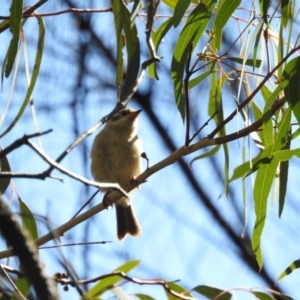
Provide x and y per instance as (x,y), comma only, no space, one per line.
(181,239)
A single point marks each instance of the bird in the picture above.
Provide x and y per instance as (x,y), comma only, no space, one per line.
(116,157)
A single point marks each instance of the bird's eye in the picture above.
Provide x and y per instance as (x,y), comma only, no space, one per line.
(124,113)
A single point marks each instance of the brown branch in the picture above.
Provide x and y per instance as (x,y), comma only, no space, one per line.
(175,156)
(160,282)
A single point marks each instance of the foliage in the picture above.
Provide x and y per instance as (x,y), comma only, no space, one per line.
(264,87)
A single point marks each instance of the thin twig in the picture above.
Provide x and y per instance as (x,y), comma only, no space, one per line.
(12,283)
(248,99)
(21,141)
(160,282)
(201,128)
(85,204)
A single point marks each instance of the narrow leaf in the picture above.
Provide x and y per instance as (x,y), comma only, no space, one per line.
(292,267)
(4,167)
(262,296)
(190,34)
(143,297)
(117,11)
(212,292)
(28,220)
(133,52)
(106,283)
(224,13)
(195,81)
(264,7)
(212,152)
(243,169)
(178,289)
(157,38)
(36,69)
(249,62)
(16,10)
(263,183)
(291,78)
(180,9)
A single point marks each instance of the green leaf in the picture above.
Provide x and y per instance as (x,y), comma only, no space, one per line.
(123,22)
(285,155)
(16,11)
(263,183)
(143,297)
(264,7)
(180,9)
(243,169)
(117,11)
(190,34)
(177,289)
(5,167)
(248,62)
(28,220)
(212,293)
(262,296)
(107,283)
(195,81)
(157,38)
(36,69)
(268,124)
(209,153)
(285,12)
(291,79)
(257,115)
(224,13)
(171,3)
(292,267)
(257,35)
(23,286)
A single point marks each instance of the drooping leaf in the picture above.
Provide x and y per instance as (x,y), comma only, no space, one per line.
(178,289)
(224,13)
(209,153)
(212,292)
(268,123)
(157,38)
(143,297)
(16,11)
(190,34)
(106,283)
(291,79)
(195,81)
(180,9)
(285,12)
(36,69)
(123,21)
(117,11)
(23,286)
(171,3)
(242,170)
(264,6)
(4,167)
(28,220)
(248,62)
(292,267)
(262,296)
(263,183)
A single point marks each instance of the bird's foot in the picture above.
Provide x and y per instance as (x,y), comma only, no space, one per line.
(106,201)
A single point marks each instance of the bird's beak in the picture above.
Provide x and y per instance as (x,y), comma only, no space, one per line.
(134,115)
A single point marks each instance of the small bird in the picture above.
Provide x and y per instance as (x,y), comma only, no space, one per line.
(116,158)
